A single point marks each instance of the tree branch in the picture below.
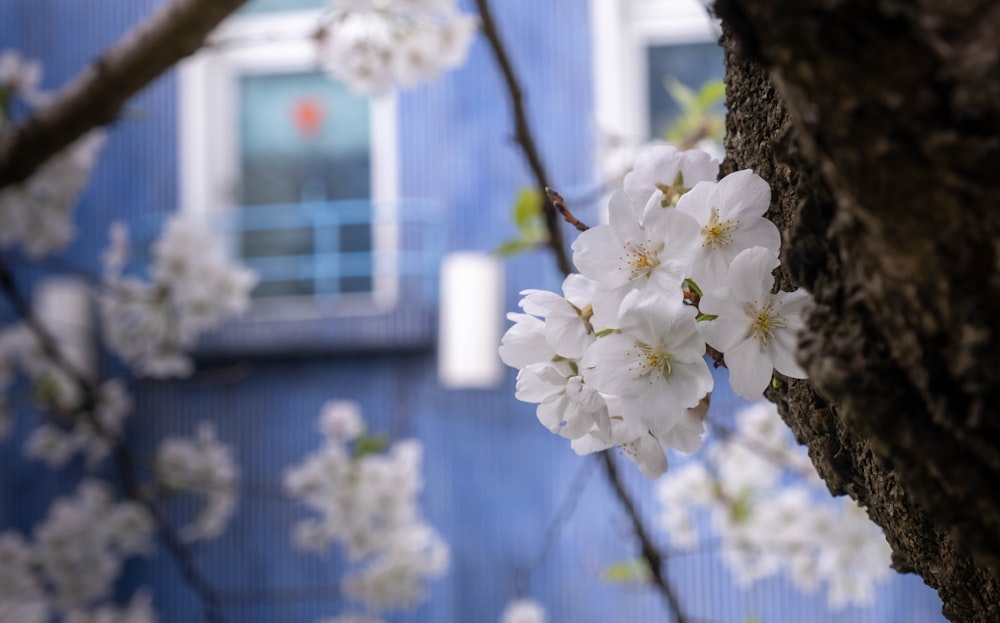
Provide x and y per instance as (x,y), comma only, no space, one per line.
(96,96)
(523,134)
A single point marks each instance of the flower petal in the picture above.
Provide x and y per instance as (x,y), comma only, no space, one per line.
(755,232)
(742,195)
(695,202)
(597,254)
(750,278)
(749,369)
(781,350)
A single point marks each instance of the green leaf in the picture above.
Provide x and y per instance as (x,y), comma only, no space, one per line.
(369,444)
(629,571)
(527,208)
(710,94)
(706,317)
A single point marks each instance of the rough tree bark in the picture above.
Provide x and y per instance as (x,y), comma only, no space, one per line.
(878,126)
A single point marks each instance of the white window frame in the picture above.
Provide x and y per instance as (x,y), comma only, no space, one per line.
(622,30)
(208,150)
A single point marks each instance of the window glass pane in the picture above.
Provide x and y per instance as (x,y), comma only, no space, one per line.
(691,64)
(270,6)
(303,137)
(305,159)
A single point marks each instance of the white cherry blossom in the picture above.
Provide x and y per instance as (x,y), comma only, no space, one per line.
(525,343)
(753,480)
(568,327)
(567,404)
(633,439)
(341,419)
(194,287)
(731,216)
(367,504)
(22,592)
(666,169)
(656,364)
(56,445)
(37,214)
(206,467)
(373,46)
(19,76)
(82,543)
(757,330)
(627,254)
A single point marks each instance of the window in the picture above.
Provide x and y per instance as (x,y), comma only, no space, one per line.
(637,45)
(297,169)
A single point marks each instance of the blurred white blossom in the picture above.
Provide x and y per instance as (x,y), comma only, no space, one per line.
(194,287)
(55,445)
(203,466)
(366,502)
(76,554)
(756,479)
(37,214)
(374,45)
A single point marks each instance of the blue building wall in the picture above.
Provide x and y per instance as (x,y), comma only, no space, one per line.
(494,478)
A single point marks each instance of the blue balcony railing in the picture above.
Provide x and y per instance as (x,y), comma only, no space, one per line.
(328,249)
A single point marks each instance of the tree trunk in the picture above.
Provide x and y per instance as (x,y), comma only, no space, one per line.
(877,125)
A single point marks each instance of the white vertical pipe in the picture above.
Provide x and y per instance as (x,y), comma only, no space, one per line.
(471,321)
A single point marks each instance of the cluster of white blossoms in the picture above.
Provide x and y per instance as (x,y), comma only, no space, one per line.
(619,358)
(756,479)
(204,466)
(367,502)
(67,432)
(373,45)
(523,611)
(55,444)
(194,287)
(37,214)
(73,560)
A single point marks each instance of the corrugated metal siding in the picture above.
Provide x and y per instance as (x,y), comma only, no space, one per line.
(494,477)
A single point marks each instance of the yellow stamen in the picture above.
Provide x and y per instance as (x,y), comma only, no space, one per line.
(717,232)
(765,321)
(642,259)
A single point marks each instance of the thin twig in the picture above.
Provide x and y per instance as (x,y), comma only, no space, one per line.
(560,205)
(96,96)
(652,555)
(523,133)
